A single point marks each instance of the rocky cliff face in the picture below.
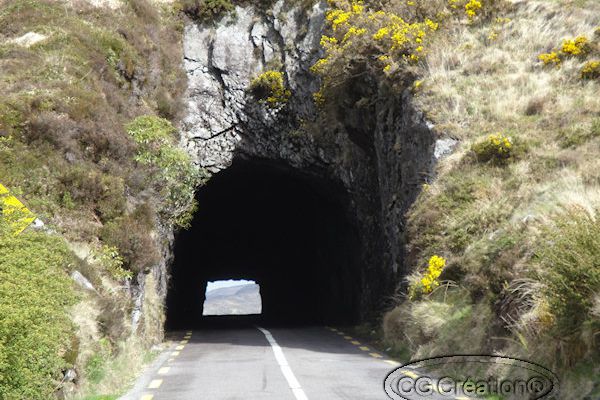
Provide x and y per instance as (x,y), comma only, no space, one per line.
(378,154)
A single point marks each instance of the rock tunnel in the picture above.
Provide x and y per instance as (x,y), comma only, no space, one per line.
(289,230)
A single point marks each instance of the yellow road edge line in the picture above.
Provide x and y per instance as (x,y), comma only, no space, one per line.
(155,384)
(180,347)
(164,370)
(355,342)
(185,341)
(376,355)
(147,397)
(391,362)
(364,348)
(348,337)
(175,353)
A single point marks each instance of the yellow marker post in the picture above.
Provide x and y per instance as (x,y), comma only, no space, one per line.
(12,210)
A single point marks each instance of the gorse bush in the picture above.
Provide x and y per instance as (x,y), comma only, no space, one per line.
(570,269)
(551,58)
(381,40)
(269,87)
(591,70)
(429,281)
(495,148)
(35,329)
(577,47)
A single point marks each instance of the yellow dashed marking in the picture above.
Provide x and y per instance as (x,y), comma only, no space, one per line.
(355,342)
(147,397)
(340,333)
(171,359)
(164,370)
(188,333)
(410,374)
(376,355)
(184,341)
(175,353)
(392,362)
(180,347)
(348,337)
(155,384)
(364,348)
(462,398)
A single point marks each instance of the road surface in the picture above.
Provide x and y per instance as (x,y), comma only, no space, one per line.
(250,363)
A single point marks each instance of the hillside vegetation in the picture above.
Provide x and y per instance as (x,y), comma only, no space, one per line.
(503,242)
(89,95)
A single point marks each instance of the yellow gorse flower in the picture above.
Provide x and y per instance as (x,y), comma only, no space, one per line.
(501,142)
(575,47)
(353,31)
(327,41)
(550,58)
(472,8)
(271,86)
(355,28)
(591,70)
(435,267)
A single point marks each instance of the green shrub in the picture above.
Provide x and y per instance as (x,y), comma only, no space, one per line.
(570,268)
(269,87)
(35,329)
(110,259)
(132,236)
(206,10)
(175,175)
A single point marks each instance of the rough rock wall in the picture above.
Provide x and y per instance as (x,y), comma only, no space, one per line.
(380,174)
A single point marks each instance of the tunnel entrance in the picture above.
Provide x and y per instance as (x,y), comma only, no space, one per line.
(286,229)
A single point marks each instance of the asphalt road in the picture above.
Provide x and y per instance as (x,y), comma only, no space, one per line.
(248,363)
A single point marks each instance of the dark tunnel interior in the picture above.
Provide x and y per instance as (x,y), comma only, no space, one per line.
(286,230)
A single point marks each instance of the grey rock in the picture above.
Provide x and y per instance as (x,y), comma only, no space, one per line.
(444,147)
(82,281)
(69,375)
(29,39)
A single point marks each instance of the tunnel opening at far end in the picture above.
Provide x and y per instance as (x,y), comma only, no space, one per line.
(286,229)
(232,297)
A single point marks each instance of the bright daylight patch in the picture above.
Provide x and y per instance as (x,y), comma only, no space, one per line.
(232,297)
